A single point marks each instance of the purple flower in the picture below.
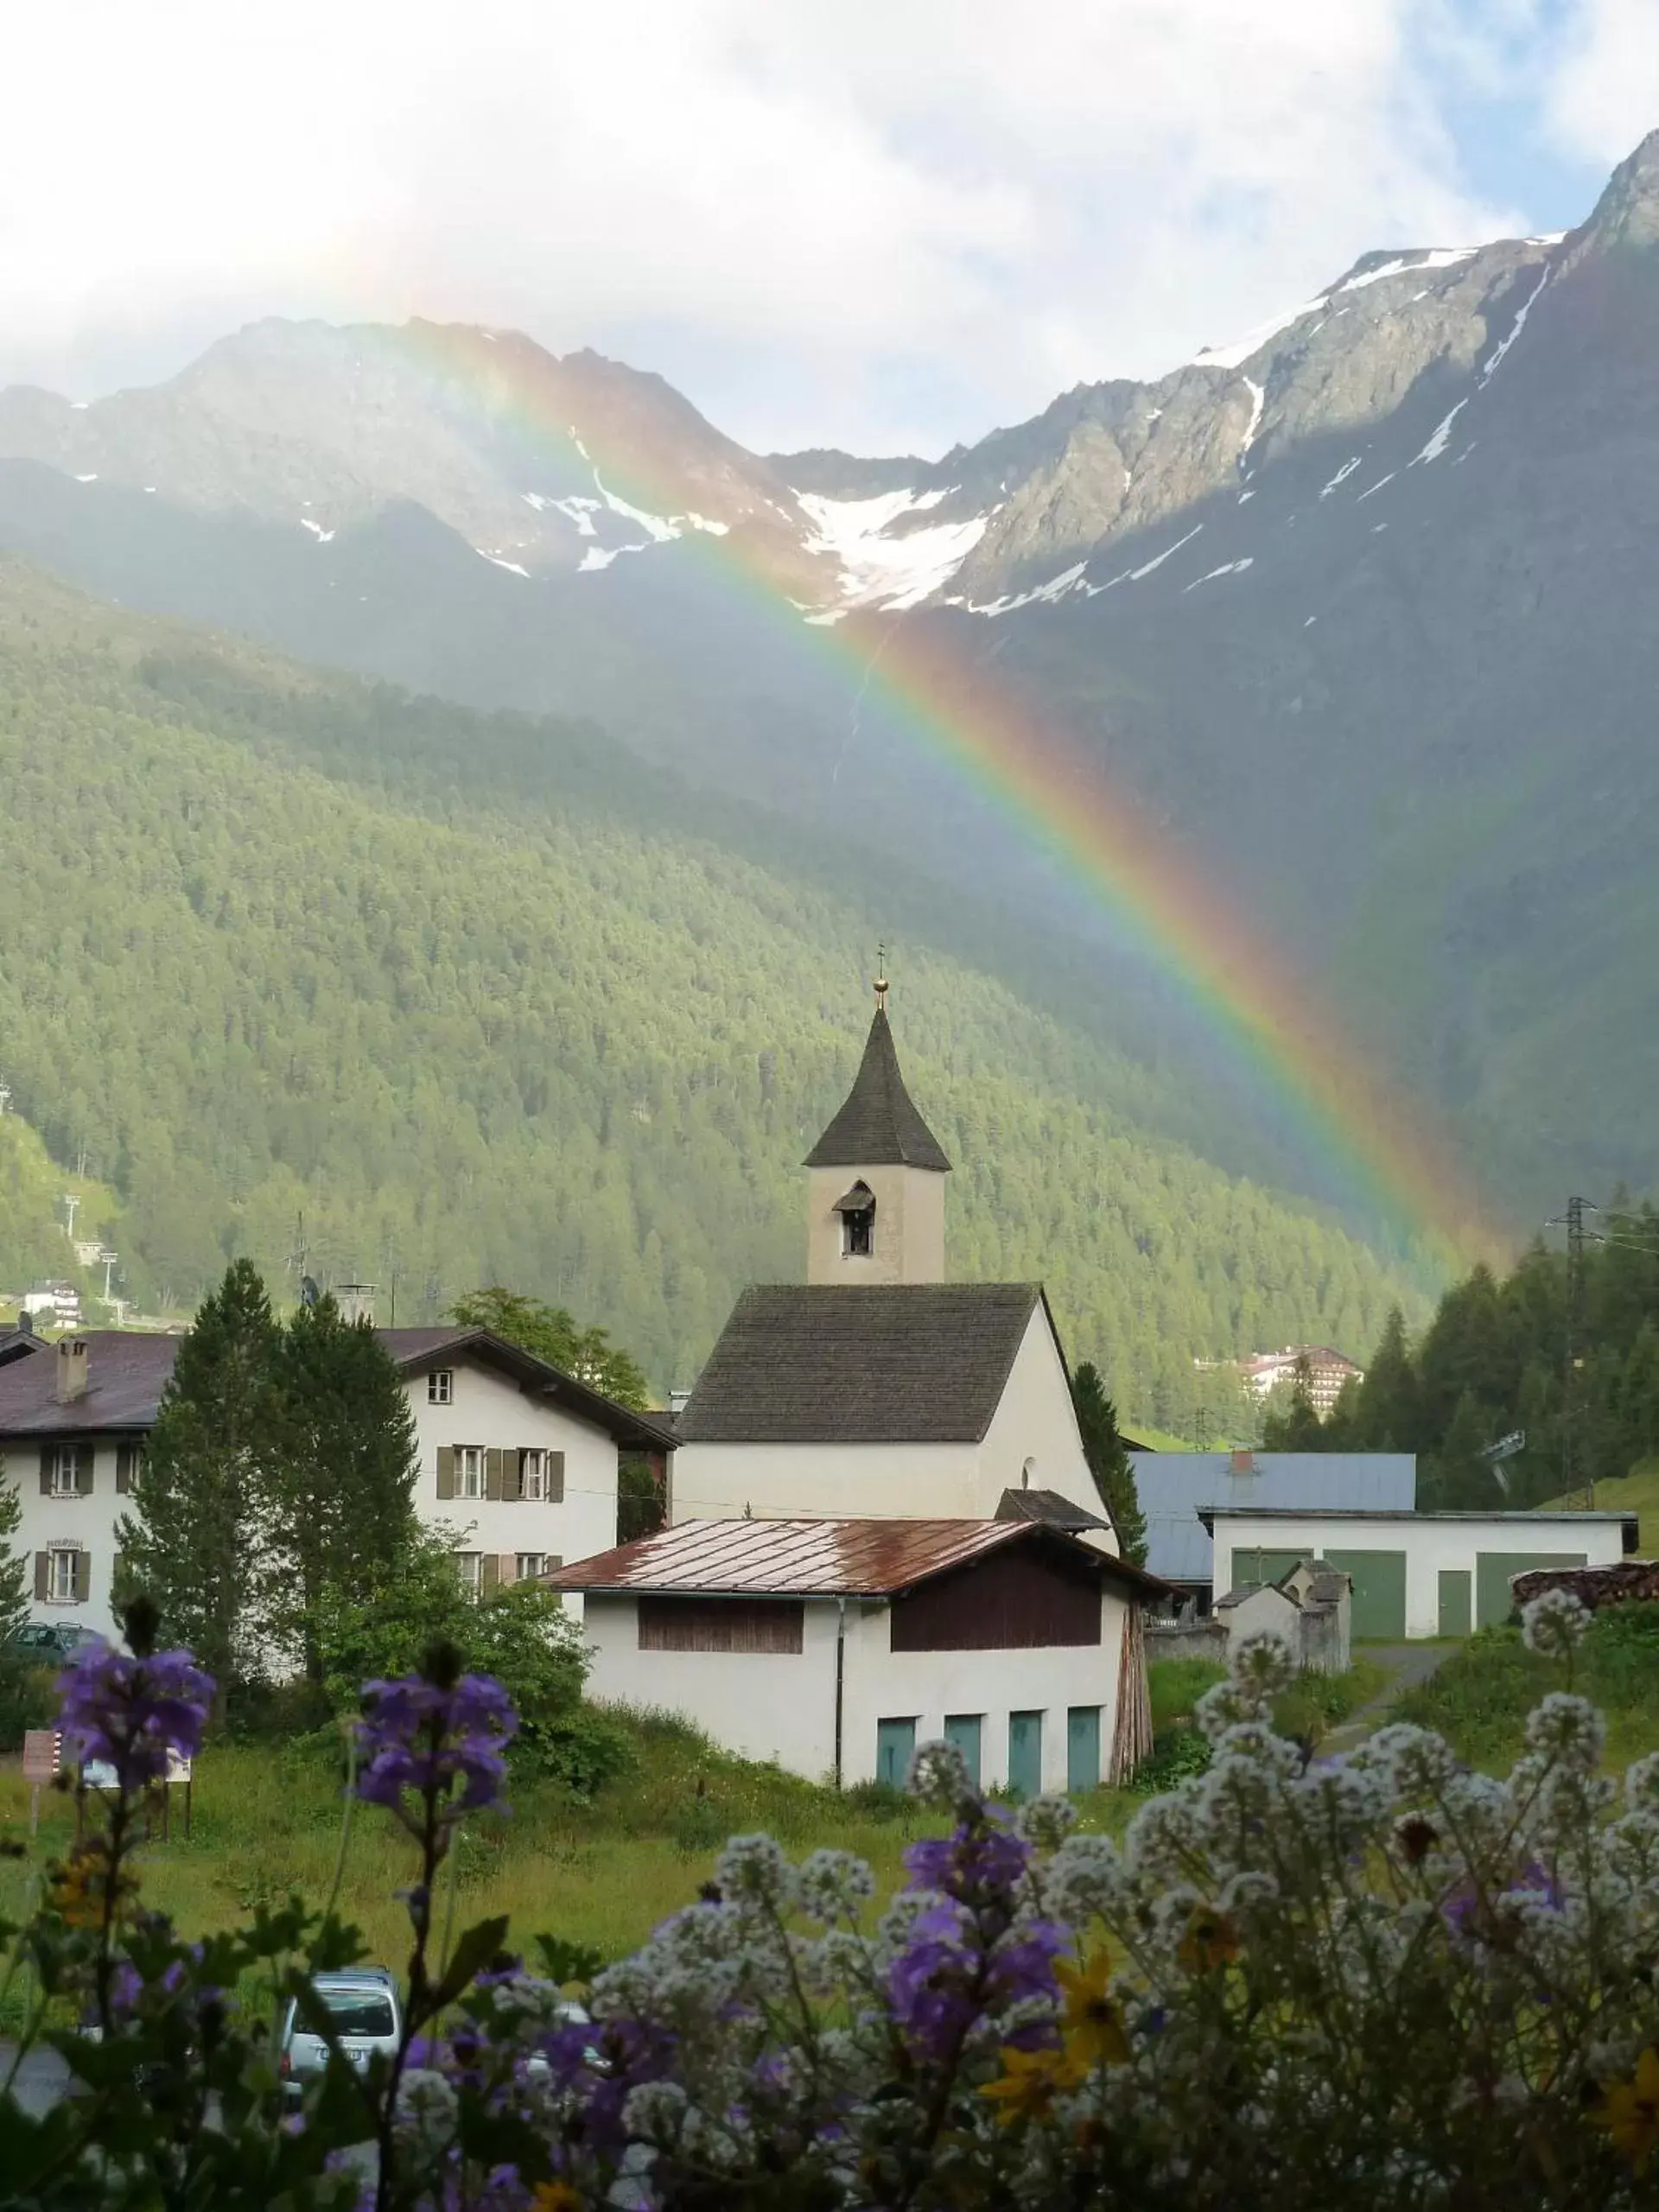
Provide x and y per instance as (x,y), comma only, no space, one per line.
(437,1741)
(930,1984)
(1022,1964)
(129,1714)
(980,1861)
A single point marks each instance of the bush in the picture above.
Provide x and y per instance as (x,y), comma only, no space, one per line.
(28,1699)
(1177,1752)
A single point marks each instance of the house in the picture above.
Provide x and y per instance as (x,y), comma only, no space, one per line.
(876,1388)
(58,1303)
(1174,1486)
(835,1646)
(516,1461)
(1414,1575)
(1309,1607)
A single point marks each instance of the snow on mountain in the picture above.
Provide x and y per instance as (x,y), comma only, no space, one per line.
(880,566)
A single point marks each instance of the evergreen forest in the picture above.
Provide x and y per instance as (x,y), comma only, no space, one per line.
(1558,1362)
(295,967)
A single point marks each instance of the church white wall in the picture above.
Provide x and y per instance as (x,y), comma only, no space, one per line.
(782,1705)
(1035,1422)
(781,1482)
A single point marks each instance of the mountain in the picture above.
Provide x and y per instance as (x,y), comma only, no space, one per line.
(454,999)
(1355,611)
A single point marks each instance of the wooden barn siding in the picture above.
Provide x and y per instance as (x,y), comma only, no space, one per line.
(1010,1602)
(720,1624)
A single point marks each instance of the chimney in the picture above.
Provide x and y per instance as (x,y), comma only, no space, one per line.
(1244,1463)
(25,1322)
(71,1375)
(356,1301)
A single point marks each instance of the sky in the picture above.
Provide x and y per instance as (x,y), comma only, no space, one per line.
(886,225)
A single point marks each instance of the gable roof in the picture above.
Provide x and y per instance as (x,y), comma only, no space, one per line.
(882,1364)
(1049,1507)
(1174,1486)
(128,1369)
(819,1559)
(878,1124)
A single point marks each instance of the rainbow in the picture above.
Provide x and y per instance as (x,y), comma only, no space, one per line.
(1061,801)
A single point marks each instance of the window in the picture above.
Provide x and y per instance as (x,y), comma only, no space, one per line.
(858,1233)
(441,1387)
(65,1470)
(355,2015)
(469,1565)
(528,1565)
(63,1574)
(470,1472)
(532,1474)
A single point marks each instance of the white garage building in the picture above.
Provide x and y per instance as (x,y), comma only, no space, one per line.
(1415,1575)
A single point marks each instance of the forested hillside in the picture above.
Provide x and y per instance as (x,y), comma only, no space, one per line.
(475,997)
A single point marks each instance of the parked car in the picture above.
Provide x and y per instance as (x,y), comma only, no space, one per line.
(46,1642)
(366,2016)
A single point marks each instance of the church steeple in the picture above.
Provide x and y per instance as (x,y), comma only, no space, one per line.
(875,1189)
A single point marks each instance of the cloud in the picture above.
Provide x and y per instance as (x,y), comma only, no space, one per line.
(882,223)
(1604,96)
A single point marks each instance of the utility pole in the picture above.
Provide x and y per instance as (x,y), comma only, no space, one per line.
(1571,1403)
(70,1202)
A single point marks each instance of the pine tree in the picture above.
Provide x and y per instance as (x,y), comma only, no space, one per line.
(14,1580)
(1109,1462)
(192,1540)
(338,1494)
(1387,1416)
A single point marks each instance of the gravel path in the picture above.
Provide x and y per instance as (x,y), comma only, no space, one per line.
(1407,1665)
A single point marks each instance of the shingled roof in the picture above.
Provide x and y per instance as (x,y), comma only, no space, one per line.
(887,1363)
(879,1125)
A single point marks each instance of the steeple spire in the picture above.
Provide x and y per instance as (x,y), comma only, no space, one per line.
(878,1124)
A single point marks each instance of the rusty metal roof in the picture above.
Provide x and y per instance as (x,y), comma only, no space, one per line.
(806,1559)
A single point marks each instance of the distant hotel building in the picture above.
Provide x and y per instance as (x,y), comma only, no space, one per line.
(1326,1372)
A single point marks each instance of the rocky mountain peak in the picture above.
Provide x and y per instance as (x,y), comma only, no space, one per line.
(1628,212)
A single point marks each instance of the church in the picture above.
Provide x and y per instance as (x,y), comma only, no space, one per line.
(876,1388)
(883,1529)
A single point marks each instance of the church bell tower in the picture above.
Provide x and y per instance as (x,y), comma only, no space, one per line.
(875,1179)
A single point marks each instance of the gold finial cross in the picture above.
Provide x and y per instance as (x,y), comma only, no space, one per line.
(881,977)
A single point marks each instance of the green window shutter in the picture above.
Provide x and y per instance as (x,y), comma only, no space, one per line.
(489,1575)
(83,1577)
(84,1457)
(555,1477)
(492,1474)
(446,1471)
(45,1470)
(43,1572)
(122,1469)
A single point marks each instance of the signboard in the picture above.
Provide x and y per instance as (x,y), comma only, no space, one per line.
(98,1773)
(178,1767)
(42,1754)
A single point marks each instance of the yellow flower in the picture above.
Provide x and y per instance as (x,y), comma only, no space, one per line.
(1029,2079)
(1091,2026)
(1210,1941)
(77,1889)
(1629,2111)
(555,2196)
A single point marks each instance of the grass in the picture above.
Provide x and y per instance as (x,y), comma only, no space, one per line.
(1481,1696)
(1636,1492)
(266,1820)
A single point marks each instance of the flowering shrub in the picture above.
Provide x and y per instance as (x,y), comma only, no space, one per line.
(1377,1982)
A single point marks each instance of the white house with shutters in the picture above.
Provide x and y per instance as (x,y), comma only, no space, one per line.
(516,1462)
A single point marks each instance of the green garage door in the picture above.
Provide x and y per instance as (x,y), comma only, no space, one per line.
(1379,1593)
(1457,1600)
(1493,1602)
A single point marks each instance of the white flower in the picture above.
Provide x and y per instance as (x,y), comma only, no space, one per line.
(1163,1837)
(1418,1763)
(1261,1665)
(1567,1728)
(1084,1880)
(1046,1821)
(939,1773)
(654,2112)
(427,2105)
(1553,1622)
(752,1870)
(1252,1886)
(833,1885)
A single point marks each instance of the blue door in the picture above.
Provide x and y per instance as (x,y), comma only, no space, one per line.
(1083,1747)
(895,1747)
(1025,1753)
(962,1729)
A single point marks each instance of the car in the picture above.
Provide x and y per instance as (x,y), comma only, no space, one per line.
(367,2015)
(46,1641)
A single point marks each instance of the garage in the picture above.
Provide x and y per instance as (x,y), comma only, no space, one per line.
(1493,1601)
(1379,1602)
